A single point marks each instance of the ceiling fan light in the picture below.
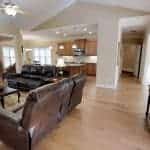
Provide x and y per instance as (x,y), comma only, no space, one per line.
(10,11)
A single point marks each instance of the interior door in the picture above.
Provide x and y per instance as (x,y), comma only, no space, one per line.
(138,52)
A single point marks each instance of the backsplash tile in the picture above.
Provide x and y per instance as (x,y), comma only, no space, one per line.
(80,59)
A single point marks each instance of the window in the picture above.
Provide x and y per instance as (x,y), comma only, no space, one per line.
(42,55)
(8,56)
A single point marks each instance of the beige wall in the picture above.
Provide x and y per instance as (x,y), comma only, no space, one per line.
(8,28)
(145,72)
(35,44)
(129,57)
(107,54)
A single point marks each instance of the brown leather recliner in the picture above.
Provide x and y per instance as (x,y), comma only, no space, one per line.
(44,108)
(77,91)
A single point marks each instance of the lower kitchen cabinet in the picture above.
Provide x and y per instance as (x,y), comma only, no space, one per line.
(75,69)
(91,69)
(88,69)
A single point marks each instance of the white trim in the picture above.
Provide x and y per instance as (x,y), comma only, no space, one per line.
(106,86)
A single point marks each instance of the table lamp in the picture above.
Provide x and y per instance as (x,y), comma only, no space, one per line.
(60,65)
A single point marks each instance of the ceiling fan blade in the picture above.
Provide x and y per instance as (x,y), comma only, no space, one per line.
(20,11)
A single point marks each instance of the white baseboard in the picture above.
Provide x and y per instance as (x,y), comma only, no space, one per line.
(106,86)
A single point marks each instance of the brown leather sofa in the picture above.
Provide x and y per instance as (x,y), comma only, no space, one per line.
(44,108)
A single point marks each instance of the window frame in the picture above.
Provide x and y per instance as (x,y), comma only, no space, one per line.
(9,57)
(47,58)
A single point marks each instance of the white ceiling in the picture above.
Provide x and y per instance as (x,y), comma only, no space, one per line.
(142,5)
(68,32)
(39,11)
(140,23)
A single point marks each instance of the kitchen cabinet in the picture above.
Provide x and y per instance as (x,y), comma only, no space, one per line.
(88,69)
(60,49)
(81,43)
(89,45)
(65,49)
(91,48)
(91,69)
(75,69)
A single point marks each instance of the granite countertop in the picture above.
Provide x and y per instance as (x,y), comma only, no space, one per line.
(74,64)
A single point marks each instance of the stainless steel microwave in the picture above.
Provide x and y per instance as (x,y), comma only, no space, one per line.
(79,52)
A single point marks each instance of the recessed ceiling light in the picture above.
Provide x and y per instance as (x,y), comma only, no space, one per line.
(65,34)
(90,32)
(57,32)
(51,47)
(85,29)
(27,49)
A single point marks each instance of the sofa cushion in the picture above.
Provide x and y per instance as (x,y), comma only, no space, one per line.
(44,106)
(77,92)
(39,75)
(26,69)
(31,76)
(36,69)
(49,71)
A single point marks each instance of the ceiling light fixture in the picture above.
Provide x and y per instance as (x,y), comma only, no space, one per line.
(51,47)
(10,10)
(57,32)
(90,33)
(85,29)
(65,34)
(28,50)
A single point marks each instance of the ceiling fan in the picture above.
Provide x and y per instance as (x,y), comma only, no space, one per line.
(10,8)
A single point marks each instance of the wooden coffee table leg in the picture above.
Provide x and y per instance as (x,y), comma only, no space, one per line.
(19,97)
(2,102)
(148,105)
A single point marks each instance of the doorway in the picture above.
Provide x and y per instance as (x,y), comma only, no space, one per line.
(131,53)
(131,56)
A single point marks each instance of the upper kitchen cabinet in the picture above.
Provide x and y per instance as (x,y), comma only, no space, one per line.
(81,43)
(91,48)
(89,45)
(65,49)
(60,48)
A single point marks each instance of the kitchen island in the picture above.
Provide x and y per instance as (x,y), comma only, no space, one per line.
(73,68)
(86,68)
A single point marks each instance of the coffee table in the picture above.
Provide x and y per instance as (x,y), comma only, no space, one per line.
(8,91)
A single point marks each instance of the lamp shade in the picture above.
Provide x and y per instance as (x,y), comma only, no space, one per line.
(60,62)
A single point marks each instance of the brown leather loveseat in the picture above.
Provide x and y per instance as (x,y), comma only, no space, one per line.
(44,108)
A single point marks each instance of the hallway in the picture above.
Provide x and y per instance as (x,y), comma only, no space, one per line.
(107,120)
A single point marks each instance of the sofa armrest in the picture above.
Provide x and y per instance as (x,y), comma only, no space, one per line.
(45,79)
(12,75)
(11,131)
(9,115)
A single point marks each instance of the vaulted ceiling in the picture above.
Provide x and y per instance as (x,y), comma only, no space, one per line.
(38,11)
(141,5)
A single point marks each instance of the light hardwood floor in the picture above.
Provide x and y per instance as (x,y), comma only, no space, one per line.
(106,120)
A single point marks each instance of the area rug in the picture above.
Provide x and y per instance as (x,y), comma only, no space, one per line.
(11,101)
